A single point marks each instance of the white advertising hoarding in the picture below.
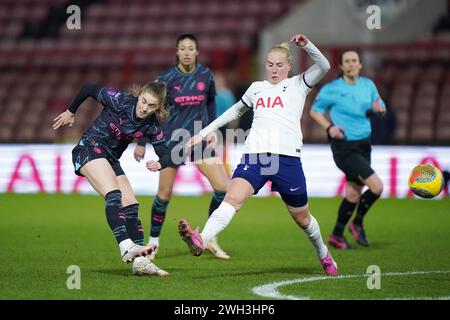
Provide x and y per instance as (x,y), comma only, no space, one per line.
(48,168)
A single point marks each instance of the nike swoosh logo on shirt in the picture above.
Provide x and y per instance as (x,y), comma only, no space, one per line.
(292,189)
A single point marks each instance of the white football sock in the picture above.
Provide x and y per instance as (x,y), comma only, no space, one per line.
(153,241)
(218,221)
(313,234)
(125,245)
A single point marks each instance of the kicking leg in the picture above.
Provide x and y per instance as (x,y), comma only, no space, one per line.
(103,179)
(131,209)
(141,265)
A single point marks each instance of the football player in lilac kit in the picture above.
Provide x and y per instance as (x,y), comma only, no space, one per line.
(191,101)
(272,149)
(96,157)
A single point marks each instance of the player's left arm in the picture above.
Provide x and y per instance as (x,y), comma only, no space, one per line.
(163,154)
(321,65)
(156,138)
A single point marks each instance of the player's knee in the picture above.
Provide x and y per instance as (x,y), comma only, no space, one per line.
(300,215)
(219,185)
(352,197)
(298,210)
(377,187)
(352,194)
(221,188)
(234,200)
(303,220)
(165,194)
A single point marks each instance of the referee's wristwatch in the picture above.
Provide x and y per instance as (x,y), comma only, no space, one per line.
(328,131)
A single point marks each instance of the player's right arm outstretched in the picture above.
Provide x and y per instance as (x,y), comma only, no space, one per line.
(65,118)
(68,116)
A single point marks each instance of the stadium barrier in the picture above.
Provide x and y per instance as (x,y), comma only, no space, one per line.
(48,168)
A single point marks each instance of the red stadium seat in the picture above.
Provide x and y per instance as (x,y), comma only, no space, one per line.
(6,133)
(443,135)
(52,70)
(433,74)
(402,116)
(401,134)
(410,75)
(422,135)
(46,134)
(25,133)
(425,103)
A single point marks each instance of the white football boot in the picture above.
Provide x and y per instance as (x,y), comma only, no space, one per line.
(143,267)
(135,251)
(216,250)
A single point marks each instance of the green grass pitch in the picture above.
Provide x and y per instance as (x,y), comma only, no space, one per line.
(41,235)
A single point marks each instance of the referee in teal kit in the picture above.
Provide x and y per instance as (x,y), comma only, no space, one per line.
(350,101)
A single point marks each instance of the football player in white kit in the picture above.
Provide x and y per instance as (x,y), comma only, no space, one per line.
(272,149)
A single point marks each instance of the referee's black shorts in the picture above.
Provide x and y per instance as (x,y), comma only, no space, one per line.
(353,158)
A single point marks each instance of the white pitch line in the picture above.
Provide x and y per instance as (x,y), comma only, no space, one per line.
(271,290)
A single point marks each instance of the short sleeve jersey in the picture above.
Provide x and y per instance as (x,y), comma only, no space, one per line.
(348,104)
